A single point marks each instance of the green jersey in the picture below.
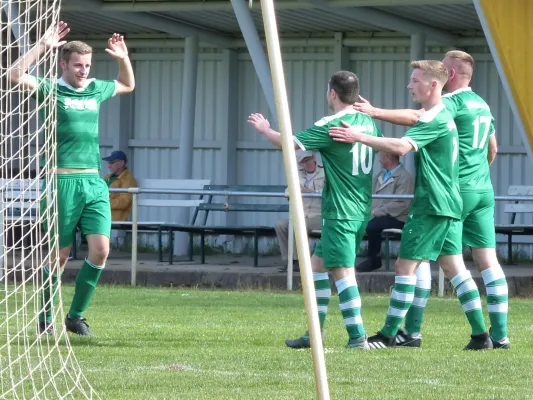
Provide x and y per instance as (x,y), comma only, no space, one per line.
(475,124)
(348,167)
(77,120)
(435,140)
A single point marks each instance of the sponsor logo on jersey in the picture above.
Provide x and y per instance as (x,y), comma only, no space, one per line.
(476,104)
(81,104)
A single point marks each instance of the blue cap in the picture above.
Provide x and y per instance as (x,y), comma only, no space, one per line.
(116,156)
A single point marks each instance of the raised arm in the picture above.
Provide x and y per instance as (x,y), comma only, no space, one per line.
(118,50)
(406,117)
(262,126)
(52,39)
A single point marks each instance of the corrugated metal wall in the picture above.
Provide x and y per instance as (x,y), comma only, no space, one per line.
(110,110)
(384,75)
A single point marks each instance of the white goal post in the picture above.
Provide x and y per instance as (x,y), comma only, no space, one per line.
(32,365)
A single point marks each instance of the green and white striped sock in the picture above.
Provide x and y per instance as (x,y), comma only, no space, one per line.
(49,295)
(415,315)
(468,295)
(323,294)
(497,300)
(350,305)
(401,298)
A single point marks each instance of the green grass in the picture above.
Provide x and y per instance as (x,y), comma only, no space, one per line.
(196,344)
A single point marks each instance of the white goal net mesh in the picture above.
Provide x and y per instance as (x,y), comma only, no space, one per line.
(32,365)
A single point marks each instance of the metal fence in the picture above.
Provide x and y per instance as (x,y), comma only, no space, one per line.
(138,191)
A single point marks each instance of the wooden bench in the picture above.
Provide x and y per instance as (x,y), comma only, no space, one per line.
(148,200)
(512,229)
(232,206)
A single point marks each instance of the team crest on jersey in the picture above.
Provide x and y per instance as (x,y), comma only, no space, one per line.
(81,104)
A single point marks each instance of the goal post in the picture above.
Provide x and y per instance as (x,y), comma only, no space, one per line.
(33,365)
(295,196)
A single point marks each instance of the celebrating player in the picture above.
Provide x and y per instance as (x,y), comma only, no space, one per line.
(346,201)
(477,150)
(82,196)
(434,229)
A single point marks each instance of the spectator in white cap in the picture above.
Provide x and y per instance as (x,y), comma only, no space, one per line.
(312,180)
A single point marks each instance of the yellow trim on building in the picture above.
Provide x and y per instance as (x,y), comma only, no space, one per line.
(511,26)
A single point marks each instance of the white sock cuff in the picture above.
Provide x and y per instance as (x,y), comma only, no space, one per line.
(460,278)
(423,272)
(492,274)
(320,276)
(94,266)
(423,284)
(345,283)
(405,280)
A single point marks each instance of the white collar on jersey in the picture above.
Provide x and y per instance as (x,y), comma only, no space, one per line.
(62,82)
(323,121)
(430,114)
(466,89)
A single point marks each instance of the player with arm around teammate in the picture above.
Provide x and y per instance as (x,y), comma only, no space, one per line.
(477,151)
(433,230)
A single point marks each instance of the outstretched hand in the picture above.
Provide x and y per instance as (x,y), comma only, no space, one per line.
(116,46)
(364,106)
(259,122)
(345,133)
(53,36)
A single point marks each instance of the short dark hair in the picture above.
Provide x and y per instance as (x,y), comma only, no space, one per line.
(346,85)
(75,47)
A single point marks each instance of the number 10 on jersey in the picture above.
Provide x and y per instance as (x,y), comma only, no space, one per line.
(361,157)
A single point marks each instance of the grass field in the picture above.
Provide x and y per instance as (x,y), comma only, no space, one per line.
(196,344)
(190,344)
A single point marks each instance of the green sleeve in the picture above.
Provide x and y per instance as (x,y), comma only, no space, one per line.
(451,106)
(315,137)
(422,134)
(44,87)
(107,88)
(377,130)
(492,129)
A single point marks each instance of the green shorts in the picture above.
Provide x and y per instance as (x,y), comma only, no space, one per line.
(478,219)
(426,237)
(339,242)
(82,201)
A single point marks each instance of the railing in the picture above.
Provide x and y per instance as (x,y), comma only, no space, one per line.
(136,191)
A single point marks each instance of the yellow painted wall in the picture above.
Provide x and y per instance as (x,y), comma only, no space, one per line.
(511,26)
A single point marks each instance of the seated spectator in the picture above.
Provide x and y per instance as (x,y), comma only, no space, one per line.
(119,177)
(386,213)
(312,180)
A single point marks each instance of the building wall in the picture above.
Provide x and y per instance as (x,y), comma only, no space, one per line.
(383,72)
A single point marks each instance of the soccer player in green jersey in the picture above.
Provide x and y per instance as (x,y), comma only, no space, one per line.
(82,196)
(477,150)
(346,201)
(434,229)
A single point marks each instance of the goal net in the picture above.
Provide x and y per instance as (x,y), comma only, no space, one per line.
(33,364)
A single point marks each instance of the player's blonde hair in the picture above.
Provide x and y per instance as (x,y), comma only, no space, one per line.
(75,47)
(433,69)
(464,62)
